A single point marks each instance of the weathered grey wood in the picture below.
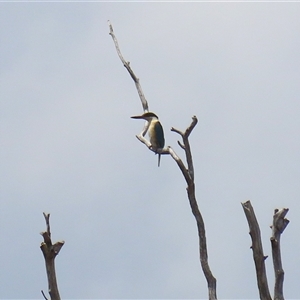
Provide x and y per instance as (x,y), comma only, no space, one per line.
(258,256)
(278,226)
(188,172)
(50,251)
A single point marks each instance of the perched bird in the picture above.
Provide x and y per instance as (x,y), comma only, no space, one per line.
(155,131)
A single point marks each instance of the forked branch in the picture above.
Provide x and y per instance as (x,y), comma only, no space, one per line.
(278,226)
(50,251)
(186,145)
(188,173)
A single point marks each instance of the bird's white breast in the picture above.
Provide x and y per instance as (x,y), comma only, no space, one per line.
(152,134)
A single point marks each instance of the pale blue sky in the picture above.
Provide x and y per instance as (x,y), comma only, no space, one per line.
(69,145)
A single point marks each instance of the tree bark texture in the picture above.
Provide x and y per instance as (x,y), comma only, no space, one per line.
(188,174)
(278,226)
(258,256)
(50,251)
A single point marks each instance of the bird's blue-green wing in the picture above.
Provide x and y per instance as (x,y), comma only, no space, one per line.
(160,135)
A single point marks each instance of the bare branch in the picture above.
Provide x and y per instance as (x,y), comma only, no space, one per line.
(278,226)
(47,218)
(181,145)
(187,173)
(191,127)
(181,165)
(148,144)
(44,295)
(137,85)
(186,144)
(177,131)
(211,281)
(130,71)
(258,256)
(50,252)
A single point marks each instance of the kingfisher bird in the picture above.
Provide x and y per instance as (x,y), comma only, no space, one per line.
(155,131)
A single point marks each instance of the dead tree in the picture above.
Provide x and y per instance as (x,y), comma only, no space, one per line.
(50,251)
(187,171)
(278,226)
(279,221)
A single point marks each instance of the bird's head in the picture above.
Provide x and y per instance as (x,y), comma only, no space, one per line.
(148,116)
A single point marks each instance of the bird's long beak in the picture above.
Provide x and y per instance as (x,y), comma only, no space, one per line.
(138,117)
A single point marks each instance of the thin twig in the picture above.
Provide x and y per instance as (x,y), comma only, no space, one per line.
(47,219)
(177,131)
(181,145)
(44,295)
(130,71)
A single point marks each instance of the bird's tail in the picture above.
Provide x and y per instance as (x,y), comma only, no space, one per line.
(159,159)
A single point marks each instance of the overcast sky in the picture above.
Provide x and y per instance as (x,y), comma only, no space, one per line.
(69,145)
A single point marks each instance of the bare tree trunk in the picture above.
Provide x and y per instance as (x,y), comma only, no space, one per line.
(50,251)
(258,256)
(278,226)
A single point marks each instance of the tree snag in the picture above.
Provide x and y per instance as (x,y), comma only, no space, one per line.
(258,256)
(187,172)
(278,226)
(50,251)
